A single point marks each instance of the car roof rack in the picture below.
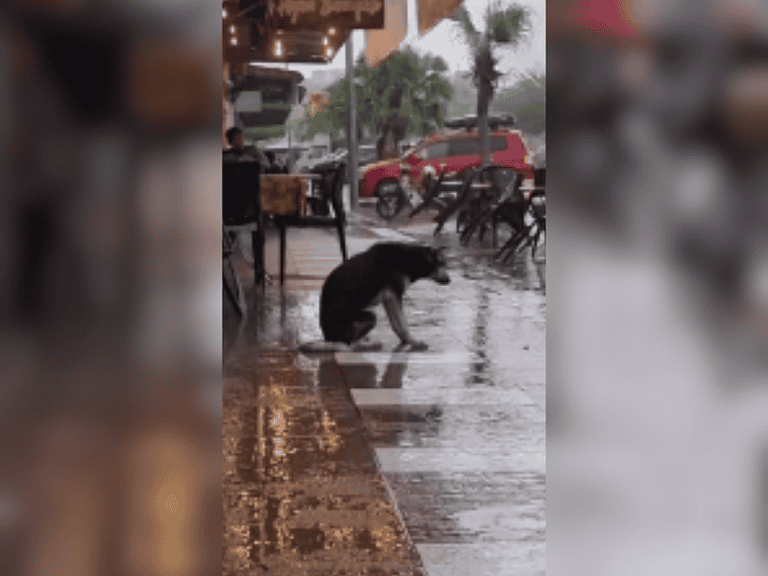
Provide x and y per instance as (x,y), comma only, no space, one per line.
(470,122)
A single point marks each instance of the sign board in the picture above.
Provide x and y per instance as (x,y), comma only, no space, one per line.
(325,14)
(249,101)
(381,43)
(431,12)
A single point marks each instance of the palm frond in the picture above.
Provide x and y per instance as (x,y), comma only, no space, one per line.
(471,34)
(508,25)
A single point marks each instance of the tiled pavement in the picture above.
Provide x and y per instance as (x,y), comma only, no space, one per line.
(456,433)
(301,491)
(459,431)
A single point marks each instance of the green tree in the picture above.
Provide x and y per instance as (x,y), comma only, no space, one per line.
(526,101)
(407,93)
(464,101)
(505,26)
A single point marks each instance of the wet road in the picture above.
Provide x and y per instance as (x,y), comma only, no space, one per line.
(448,442)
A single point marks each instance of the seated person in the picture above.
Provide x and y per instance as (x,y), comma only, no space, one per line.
(239,151)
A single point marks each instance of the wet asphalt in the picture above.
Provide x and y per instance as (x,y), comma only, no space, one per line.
(389,462)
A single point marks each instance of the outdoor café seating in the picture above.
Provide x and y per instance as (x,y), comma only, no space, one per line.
(241,213)
(250,197)
(284,198)
(494,195)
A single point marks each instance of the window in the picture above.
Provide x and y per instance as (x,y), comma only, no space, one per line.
(498,143)
(437,150)
(465,147)
(367,154)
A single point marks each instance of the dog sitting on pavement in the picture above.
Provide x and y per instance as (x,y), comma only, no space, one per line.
(380,275)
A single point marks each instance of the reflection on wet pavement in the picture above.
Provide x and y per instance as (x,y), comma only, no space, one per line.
(461,440)
(301,489)
(406,463)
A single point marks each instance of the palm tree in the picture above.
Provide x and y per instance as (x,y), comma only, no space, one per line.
(407,93)
(504,26)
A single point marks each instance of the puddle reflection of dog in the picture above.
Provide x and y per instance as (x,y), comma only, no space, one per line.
(380,275)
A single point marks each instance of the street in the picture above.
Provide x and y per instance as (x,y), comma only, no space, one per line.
(426,463)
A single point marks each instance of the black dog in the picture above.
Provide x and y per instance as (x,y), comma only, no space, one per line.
(381,274)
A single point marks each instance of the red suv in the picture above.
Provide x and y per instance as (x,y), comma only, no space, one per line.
(451,151)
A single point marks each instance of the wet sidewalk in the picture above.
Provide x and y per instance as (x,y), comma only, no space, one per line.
(406,463)
(302,494)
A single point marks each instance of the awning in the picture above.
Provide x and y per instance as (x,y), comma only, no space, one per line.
(298,31)
(381,43)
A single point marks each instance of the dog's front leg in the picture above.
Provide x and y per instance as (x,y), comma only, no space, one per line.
(394,307)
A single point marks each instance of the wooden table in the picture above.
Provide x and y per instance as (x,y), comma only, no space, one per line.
(286,194)
(284,197)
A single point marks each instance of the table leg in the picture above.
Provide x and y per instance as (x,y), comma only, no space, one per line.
(451,209)
(281,227)
(340,217)
(257,238)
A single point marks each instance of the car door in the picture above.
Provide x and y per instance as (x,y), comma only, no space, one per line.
(499,147)
(415,157)
(463,153)
(433,155)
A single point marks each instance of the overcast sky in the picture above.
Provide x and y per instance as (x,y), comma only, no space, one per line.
(445,40)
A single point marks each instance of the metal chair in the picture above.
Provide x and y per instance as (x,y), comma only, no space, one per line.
(432,195)
(463,197)
(233,287)
(533,209)
(490,186)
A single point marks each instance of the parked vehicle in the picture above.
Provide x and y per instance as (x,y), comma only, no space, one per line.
(308,158)
(452,150)
(366,155)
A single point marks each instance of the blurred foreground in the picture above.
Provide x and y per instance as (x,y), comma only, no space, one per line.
(111,316)
(110,321)
(657,436)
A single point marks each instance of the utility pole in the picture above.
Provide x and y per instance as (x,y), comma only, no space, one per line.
(352,126)
(294,92)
